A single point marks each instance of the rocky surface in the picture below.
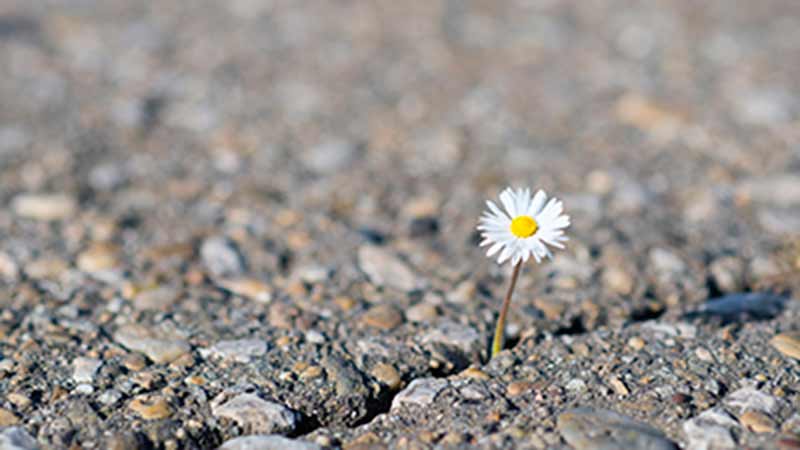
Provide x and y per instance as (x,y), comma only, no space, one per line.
(252,224)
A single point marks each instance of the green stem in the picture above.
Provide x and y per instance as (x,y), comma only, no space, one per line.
(499,331)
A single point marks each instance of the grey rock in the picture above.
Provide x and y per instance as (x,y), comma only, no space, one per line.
(597,429)
(16,438)
(240,350)
(161,297)
(420,392)
(776,190)
(710,430)
(751,399)
(267,442)
(330,156)
(222,257)
(779,220)
(84,369)
(385,269)
(257,415)
(665,261)
(756,303)
(159,347)
(462,337)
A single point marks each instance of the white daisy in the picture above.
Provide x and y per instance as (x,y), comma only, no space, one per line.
(527,227)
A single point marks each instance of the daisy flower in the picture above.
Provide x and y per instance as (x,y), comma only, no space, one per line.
(527,226)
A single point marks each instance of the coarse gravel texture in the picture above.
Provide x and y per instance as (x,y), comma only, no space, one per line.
(251,224)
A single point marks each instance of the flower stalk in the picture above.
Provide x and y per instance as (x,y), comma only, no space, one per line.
(499,331)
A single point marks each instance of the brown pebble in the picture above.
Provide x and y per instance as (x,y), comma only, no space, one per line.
(788,344)
(345,303)
(474,373)
(384,317)
(151,407)
(636,343)
(789,443)
(387,375)
(311,372)
(134,362)
(7,418)
(518,387)
(681,399)
(98,257)
(757,421)
(618,386)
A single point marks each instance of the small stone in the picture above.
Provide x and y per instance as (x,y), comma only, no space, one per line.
(134,362)
(7,418)
(585,428)
(664,261)
(619,386)
(385,269)
(84,369)
(788,443)
(151,407)
(757,422)
(464,293)
(474,373)
(268,442)
(788,344)
(311,372)
(84,389)
(330,156)
(313,273)
(387,375)
(159,348)
(728,273)
(9,269)
(241,350)
(462,337)
(704,354)
(756,304)
(46,268)
(599,182)
(518,388)
(256,415)
(710,431)
(44,207)
(384,317)
(636,343)
(157,298)
(19,400)
(16,438)
(421,392)
(778,190)
(98,257)
(618,280)
(222,257)
(250,288)
(750,399)
(423,226)
(315,337)
(422,312)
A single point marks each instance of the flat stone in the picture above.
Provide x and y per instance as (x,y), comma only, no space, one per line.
(16,438)
(156,298)
(85,369)
(249,288)
(757,422)
(240,350)
(710,431)
(268,442)
(597,429)
(788,344)
(330,156)
(257,415)
(44,207)
(151,407)
(222,257)
(385,269)
(755,303)
(779,190)
(665,261)
(384,317)
(463,337)
(98,257)
(421,392)
(7,418)
(750,399)
(387,374)
(158,347)
(422,312)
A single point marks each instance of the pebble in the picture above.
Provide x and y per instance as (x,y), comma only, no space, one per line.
(330,156)
(422,312)
(385,269)
(757,422)
(710,431)
(618,281)
(778,190)
(151,407)
(16,438)
(788,344)
(586,428)
(387,375)
(257,415)
(755,303)
(9,269)
(84,369)
(268,442)
(315,337)
(156,298)
(222,257)
(421,392)
(160,349)
(44,207)
(384,317)
(98,257)
(727,273)
(7,418)
(517,388)
(665,261)
(249,288)
(750,399)
(636,343)
(46,268)
(463,337)
(241,350)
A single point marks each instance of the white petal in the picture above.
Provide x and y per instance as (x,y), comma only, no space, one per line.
(536,205)
(507,198)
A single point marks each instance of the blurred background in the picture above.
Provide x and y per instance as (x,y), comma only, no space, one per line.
(190,144)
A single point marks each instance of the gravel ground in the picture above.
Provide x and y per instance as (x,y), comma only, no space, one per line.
(251,224)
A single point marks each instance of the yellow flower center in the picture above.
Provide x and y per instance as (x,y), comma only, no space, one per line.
(523,226)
